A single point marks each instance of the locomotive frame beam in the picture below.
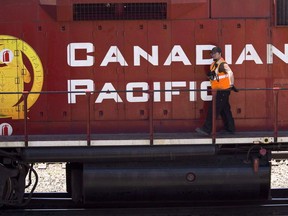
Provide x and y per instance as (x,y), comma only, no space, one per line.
(113,153)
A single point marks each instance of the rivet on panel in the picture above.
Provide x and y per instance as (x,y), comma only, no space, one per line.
(141,27)
(63,28)
(201,111)
(239,110)
(101,113)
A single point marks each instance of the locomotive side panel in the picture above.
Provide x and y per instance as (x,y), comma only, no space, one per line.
(79,68)
(136,55)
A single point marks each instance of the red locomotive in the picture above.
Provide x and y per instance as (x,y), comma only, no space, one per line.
(116,90)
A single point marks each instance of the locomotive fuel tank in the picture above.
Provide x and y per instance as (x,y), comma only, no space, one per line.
(221,177)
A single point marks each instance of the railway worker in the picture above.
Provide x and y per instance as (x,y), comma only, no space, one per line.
(222,80)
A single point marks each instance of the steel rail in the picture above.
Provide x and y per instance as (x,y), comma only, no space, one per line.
(151,119)
(60,204)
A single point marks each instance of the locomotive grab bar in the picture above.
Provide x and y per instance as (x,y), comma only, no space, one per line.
(150,93)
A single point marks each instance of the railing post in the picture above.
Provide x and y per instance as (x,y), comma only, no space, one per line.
(275,96)
(88,94)
(151,125)
(25,95)
(214,95)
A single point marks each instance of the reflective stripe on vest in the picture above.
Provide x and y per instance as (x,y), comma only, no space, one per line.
(221,81)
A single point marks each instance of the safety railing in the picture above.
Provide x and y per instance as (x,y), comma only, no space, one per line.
(150,102)
(275,91)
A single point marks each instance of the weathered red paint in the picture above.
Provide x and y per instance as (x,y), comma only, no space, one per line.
(48,27)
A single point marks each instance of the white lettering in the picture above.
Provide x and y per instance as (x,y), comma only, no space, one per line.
(108,92)
(136,91)
(114,55)
(199,54)
(80,86)
(273,50)
(228,53)
(204,94)
(249,54)
(157,95)
(71,54)
(192,93)
(177,54)
(139,52)
(142,86)
(169,92)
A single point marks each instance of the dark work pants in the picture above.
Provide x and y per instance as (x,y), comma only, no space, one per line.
(223,108)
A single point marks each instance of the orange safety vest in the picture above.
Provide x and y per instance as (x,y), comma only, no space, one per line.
(221,80)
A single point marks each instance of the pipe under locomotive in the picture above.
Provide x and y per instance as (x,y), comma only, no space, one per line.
(116,90)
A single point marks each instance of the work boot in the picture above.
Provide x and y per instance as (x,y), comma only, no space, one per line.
(202,131)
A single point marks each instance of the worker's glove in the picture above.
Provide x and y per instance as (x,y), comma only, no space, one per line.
(233,88)
(211,75)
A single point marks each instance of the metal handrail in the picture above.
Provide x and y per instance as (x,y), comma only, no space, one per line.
(151,106)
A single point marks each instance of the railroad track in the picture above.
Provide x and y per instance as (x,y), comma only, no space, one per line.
(60,204)
(237,210)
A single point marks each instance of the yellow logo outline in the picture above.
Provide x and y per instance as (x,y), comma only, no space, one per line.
(14,74)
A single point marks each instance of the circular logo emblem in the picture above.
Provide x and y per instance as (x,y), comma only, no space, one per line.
(5,129)
(20,70)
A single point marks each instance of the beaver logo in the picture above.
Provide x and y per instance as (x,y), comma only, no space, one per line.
(20,70)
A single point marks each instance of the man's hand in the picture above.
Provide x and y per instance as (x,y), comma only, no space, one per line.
(234,88)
